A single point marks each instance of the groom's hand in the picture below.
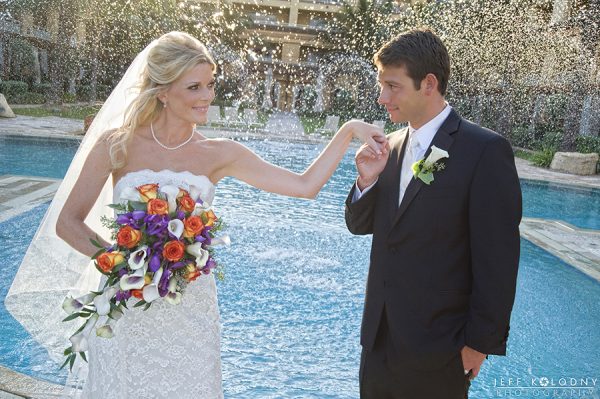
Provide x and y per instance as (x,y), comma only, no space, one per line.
(472,361)
(369,165)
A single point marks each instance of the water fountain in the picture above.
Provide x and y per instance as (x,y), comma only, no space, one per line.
(267,102)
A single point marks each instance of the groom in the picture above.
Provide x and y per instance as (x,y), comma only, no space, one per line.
(445,253)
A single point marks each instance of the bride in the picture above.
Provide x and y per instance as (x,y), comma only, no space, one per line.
(167,351)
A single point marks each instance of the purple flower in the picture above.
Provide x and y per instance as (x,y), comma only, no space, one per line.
(133,219)
(154,263)
(156,224)
(122,295)
(177,265)
(122,272)
(138,215)
(124,218)
(180,215)
(210,264)
(163,284)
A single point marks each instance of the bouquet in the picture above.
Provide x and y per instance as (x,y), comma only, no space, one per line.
(164,238)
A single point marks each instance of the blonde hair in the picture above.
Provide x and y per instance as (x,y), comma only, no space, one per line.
(174,54)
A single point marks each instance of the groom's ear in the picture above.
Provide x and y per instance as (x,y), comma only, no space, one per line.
(430,84)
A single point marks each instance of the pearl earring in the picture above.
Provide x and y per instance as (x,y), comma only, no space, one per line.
(165,104)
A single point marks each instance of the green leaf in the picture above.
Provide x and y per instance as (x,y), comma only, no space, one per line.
(140,303)
(147,306)
(100,252)
(68,351)
(73,316)
(65,363)
(72,361)
(96,243)
(138,206)
(82,354)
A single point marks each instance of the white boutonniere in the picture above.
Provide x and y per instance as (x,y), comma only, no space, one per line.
(424,168)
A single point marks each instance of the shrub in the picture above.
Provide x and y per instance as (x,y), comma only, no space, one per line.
(544,157)
(84,92)
(521,136)
(42,88)
(103,91)
(29,98)
(588,144)
(342,104)
(13,88)
(307,100)
(22,61)
(68,97)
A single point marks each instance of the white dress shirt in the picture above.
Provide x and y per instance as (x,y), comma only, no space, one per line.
(419,140)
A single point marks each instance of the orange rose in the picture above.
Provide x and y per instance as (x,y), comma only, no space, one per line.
(148,192)
(186,203)
(182,193)
(128,237)
(191,272)
(173,251)
(158,207)
(209,218)
(108,260)
(139,294)
(192,226)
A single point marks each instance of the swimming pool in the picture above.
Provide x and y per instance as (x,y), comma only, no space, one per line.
(292,299)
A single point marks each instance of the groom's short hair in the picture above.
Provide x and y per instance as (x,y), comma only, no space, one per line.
(420,52)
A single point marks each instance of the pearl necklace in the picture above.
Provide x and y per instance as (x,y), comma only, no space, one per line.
(170,148)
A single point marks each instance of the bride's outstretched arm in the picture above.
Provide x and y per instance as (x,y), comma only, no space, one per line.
(70,225)
(245,165)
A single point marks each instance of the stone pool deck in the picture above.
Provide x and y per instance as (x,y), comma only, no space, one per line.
(578,247)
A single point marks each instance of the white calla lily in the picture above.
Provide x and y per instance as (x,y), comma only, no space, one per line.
(130,194)
(435,155)
(224,240)
(173,298)
(171,192)
(150,291)
(172,285)
(138,258)
(200,253)
(199,208)
(80,340)
(102,302)
(196,193)
(176,227)
(134,281)
(105,331)
(72,305)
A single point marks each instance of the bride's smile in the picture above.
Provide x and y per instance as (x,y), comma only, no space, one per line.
(188,97)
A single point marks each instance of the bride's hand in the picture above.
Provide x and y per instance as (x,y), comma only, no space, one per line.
(370,135)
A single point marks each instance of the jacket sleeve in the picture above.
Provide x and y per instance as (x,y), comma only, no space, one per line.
(494,216)
(359,214)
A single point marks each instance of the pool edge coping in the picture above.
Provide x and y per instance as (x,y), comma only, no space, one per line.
(25,386)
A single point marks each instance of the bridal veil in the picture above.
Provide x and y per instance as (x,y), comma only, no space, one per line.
(51,269)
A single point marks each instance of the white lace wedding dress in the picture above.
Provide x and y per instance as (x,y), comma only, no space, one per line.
(167,351)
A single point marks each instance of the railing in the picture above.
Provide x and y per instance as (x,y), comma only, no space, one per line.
(327,2)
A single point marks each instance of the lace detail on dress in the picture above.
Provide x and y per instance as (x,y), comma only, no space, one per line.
(180,179)
(167,351)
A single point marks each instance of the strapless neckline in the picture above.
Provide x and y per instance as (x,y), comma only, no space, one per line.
(147,170)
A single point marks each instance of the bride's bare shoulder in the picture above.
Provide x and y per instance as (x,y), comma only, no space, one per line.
(222,144)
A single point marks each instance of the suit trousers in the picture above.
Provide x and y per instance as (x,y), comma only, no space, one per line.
(384,374)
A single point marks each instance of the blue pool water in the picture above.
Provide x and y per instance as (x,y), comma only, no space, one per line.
(292,299)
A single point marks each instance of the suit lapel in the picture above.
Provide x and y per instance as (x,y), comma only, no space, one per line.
(443,139)
(390,177)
